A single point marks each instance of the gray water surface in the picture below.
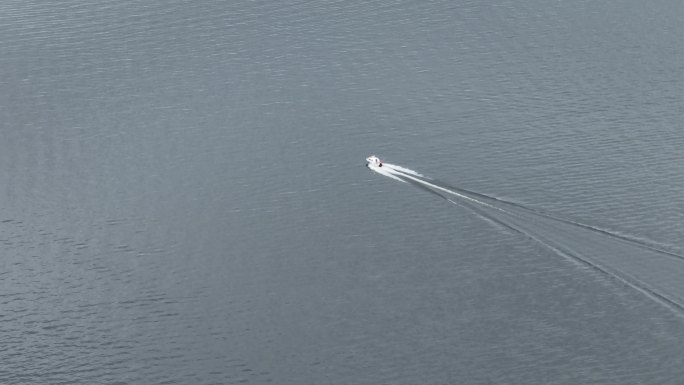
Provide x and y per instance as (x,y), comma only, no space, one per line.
(182,197)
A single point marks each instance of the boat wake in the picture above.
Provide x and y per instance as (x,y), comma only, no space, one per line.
(640,264)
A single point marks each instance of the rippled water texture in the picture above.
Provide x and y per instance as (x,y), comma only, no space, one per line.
(183,198)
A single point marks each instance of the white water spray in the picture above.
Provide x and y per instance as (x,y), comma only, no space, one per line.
(405,170)
(385,171)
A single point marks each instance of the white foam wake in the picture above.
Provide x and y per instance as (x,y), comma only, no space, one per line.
(652,271)
(643,243)
(386,172)
(405,170)
(397,174)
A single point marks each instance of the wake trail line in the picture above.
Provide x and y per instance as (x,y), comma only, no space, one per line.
(652,271)
(627,279)
(468,194)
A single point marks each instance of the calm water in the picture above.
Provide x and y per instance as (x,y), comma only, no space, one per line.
(182,197)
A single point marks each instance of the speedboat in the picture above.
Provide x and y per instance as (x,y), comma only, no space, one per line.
(373,161)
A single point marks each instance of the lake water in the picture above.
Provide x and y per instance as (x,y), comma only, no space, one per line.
(183,198)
